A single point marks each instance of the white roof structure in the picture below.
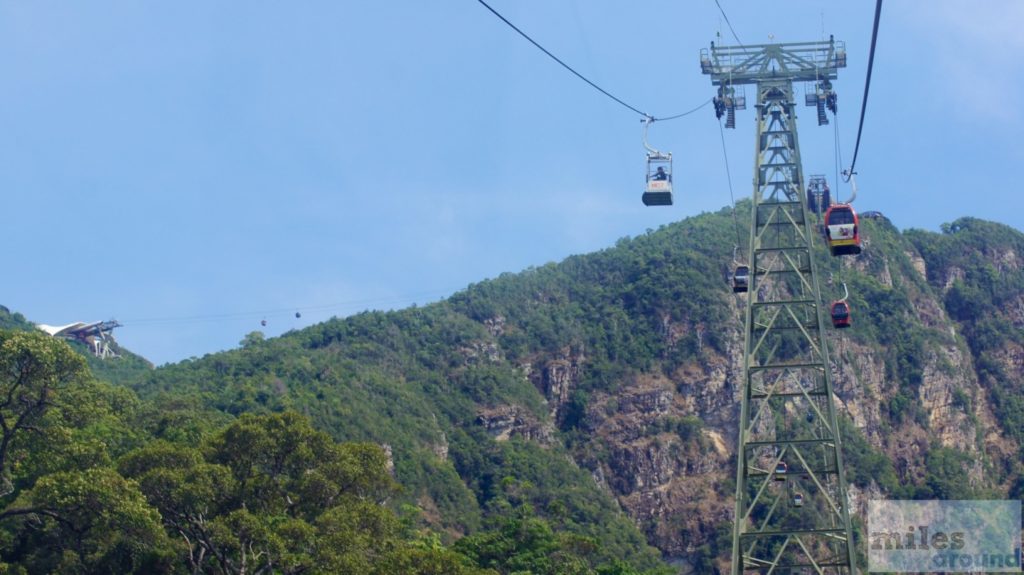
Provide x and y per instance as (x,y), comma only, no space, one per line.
(64,330)
(96,334)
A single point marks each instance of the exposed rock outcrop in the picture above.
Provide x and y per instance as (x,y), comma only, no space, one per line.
(509,421)
(559,377)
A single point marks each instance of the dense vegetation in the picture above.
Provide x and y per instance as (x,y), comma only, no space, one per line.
(278,455)
(14,320)
(90,485)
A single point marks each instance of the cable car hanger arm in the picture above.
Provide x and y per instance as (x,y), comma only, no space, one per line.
(647,121)
(853,185)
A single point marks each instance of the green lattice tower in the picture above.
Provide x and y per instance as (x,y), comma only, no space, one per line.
(791,503)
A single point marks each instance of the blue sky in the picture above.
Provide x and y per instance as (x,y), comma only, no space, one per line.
(191,168)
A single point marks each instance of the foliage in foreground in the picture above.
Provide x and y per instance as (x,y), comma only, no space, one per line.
(88,490)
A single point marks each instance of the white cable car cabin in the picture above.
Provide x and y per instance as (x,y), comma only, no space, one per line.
(659,180)
(780,471)
(658,188)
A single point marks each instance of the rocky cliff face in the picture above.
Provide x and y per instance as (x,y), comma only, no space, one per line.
(668,469)
(663,443)
(975,268)
(622,370)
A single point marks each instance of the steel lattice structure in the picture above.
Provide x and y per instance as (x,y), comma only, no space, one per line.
(791,503)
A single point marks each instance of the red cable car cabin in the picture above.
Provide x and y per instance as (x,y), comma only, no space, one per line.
(842,230)
(840,314)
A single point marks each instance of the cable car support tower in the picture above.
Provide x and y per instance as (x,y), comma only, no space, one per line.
(791,505)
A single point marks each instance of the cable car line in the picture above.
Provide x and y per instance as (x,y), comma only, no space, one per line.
(867,86)
(738,41)
(741,272)
(556,59)
(581,76)
(687,113)
(728,176)
(280,311)
(838,152)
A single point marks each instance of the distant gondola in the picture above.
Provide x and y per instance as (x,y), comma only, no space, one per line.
(741,279)
(840,314)
(780,471)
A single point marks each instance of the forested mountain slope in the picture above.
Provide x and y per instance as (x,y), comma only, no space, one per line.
(607,383)
(564,417)
(93,481)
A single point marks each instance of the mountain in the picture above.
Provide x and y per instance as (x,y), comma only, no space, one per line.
(579,413)
(603,390)
(14,320)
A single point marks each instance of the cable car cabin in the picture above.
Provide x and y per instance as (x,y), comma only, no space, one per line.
(840,314)
(741,279)
(659,180)
(819,198)
(841,230)
(798,500)
(780,471)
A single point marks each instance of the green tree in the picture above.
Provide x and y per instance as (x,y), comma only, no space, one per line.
(524,543)
(284,466)
(252,338)
(91,521)
(38,375)
(65,510)
(270,493)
